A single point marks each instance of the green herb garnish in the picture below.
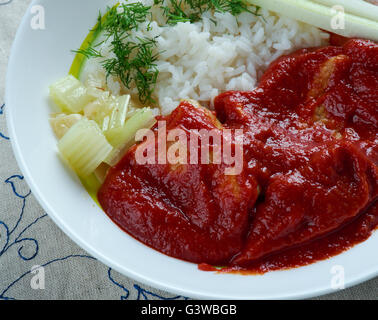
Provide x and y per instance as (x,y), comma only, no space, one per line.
(134,61)
(192,10)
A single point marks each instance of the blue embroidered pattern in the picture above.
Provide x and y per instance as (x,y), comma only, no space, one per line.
(12,235)
(125,297)
(10,231)
(2,294)
(144,294)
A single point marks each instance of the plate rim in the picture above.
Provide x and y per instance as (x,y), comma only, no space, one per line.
(364,276)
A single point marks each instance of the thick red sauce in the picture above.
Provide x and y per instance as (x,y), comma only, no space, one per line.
(308,188)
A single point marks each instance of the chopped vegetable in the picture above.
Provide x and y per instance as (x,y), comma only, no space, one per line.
(119,113)
(97,93)
(359,8)
(108,111)
(61,123)
(100,111)
(84,135)
(95,80)
(101,172)
(122,138)
(321,14)
(84,147)
(70,94)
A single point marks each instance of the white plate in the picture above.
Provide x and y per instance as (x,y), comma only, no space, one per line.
(38,58)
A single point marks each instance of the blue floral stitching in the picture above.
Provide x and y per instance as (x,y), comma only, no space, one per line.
(8,232)
(2,294)
(118,285)
(9,181)
(18,240)
(143,293)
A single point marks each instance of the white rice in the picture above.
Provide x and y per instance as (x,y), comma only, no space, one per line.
(201,60)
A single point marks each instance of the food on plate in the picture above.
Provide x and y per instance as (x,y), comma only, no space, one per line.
(173,56)
(225,135)
(105,128)
(349,18)
(310,144)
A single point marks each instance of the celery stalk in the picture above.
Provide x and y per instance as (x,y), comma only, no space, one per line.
(118,116)
(359,8)
(84,147)
(122,138)
(70,95)
(320,15)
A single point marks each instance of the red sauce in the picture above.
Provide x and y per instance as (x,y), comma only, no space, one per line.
(308,188)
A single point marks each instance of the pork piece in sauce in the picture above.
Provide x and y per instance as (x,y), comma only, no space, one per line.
(191,211)
(309,181)
(311,142)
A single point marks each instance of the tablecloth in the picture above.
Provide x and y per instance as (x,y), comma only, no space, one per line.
(28,238)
